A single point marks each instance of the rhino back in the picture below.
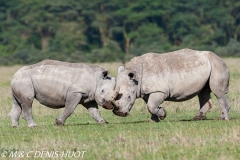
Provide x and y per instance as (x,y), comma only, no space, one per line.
(178,74)
(53,80)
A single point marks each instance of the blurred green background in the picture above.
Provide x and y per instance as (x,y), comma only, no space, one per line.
(114,30)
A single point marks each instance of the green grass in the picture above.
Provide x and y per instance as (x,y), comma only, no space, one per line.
(133,137)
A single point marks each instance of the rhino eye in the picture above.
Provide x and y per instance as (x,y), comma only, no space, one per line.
(118,97)
(129,98)
(103,91)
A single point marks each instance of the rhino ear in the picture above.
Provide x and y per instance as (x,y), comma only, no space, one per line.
(104,73)
(120,69)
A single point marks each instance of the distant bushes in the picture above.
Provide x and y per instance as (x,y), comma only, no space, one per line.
(106,54)
(104,31)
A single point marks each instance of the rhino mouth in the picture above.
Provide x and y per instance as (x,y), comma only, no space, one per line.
(107,105)
(119,113)
(116,110)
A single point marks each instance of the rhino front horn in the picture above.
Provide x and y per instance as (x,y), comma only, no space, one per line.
(115,105)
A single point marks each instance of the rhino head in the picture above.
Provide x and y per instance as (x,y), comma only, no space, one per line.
(125,91)
(105,90)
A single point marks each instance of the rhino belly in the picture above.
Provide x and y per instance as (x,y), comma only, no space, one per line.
(50,91)
(49,101)
(185,90)
(182,96)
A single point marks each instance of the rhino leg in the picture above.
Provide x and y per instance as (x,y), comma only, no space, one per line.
(71,103)
(154,118)
(26,100)
(205,104)
(15,113)
(27,115)
(153,102)
(92,108)
(225,107)
(219,86)
(22,95)
(219,82)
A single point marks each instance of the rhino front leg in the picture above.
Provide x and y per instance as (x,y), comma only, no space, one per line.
(154,118)
(92,108)
(153,103)
(71,103)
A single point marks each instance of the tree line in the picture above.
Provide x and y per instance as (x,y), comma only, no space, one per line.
(114,30)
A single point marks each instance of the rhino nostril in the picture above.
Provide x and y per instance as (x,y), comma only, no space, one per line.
(103,100)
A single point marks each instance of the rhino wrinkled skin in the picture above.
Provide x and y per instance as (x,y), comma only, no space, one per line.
(174,76)
(60,84)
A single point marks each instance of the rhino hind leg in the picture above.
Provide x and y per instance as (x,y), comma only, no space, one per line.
(205,103)
(225,107)
(71,103)
(219,82)
(153,102)
(27,114)
(22,105)
(92,108)
(15,113)
(219,86)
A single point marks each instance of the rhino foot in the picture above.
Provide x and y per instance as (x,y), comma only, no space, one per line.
(155,121)
(15,126)
(223,118)
(102,122)
(154,118)
(198,118)
(32,125)
(59,122)
(163,113)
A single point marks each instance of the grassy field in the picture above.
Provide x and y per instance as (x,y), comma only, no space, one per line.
(176,137)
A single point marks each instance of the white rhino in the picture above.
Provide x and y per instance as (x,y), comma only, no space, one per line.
(60,84)
(175,76)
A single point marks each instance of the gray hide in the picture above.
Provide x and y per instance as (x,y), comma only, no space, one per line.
(60,84)
(175,76)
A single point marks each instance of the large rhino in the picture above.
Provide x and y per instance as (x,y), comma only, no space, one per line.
(174,76)
(60,84)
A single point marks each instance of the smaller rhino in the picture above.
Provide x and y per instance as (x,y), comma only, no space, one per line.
(60,84)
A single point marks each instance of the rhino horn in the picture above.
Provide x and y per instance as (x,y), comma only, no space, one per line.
(115,105)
